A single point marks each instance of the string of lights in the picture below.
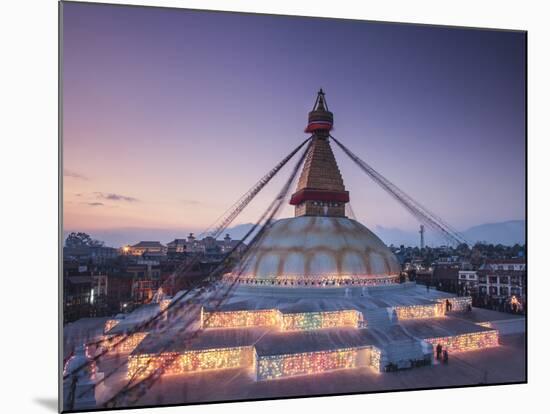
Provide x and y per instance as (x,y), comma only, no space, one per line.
(317,280)
(114,348)
(467,342)
(148,368)
(163,364)
(230,214)
(233,211)
(282,321)
(413,206)
(278,366)
(129,345)
(184,328)
(241,319)
(144,365)
(436,310)
(141,387)
(178,302)
(460,303)
(110,324)
(321,320)
(271,367)
(148,323)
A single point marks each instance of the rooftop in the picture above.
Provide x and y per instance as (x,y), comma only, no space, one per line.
(146,244)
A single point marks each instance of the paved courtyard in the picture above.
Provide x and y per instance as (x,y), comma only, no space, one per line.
(488,366)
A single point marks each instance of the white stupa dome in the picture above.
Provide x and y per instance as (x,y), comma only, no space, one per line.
(315,250)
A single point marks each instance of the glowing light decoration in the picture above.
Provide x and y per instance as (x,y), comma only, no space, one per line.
(459,304)
(320,281)
(321,320)
(436,310)
(279,366)
(140,366)
(241,319)
(287,322)
(164,304)
(190,361)
(132,342)
(124,346)
(375,358)
(110,324)
(467,342)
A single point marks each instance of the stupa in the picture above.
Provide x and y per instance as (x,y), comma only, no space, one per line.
(320,246)
(319,292)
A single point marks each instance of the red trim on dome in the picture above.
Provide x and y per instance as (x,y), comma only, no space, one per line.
(318,125)
(319,195)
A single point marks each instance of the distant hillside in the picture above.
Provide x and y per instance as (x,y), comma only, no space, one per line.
(129,235)
(118,237)
(507,233)
(397,237)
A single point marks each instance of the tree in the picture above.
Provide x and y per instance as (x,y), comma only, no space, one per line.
(81,240)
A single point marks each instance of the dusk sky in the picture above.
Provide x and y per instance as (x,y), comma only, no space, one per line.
(169,116)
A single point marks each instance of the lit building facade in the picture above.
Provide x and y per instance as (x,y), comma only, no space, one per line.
(207,246)
(146,247)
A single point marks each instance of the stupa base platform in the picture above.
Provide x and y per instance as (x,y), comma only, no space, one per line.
(271,354)
(276,336)
(502,364)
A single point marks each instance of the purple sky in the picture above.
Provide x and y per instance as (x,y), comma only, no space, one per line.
(171,115)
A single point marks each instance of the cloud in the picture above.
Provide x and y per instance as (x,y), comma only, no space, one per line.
(115,197)
(73,174)
(95,204)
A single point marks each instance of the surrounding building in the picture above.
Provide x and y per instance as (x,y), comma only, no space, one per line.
(445,277)
(84,293)
(185,246)
(146,247)
(503,278)
(208,246)
(102,280)
(90,254)
(468,282)
(145,280)
(119,298)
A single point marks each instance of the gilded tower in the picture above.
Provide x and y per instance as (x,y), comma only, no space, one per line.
(320,190)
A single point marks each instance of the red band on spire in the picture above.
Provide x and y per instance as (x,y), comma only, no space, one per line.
(319,195)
